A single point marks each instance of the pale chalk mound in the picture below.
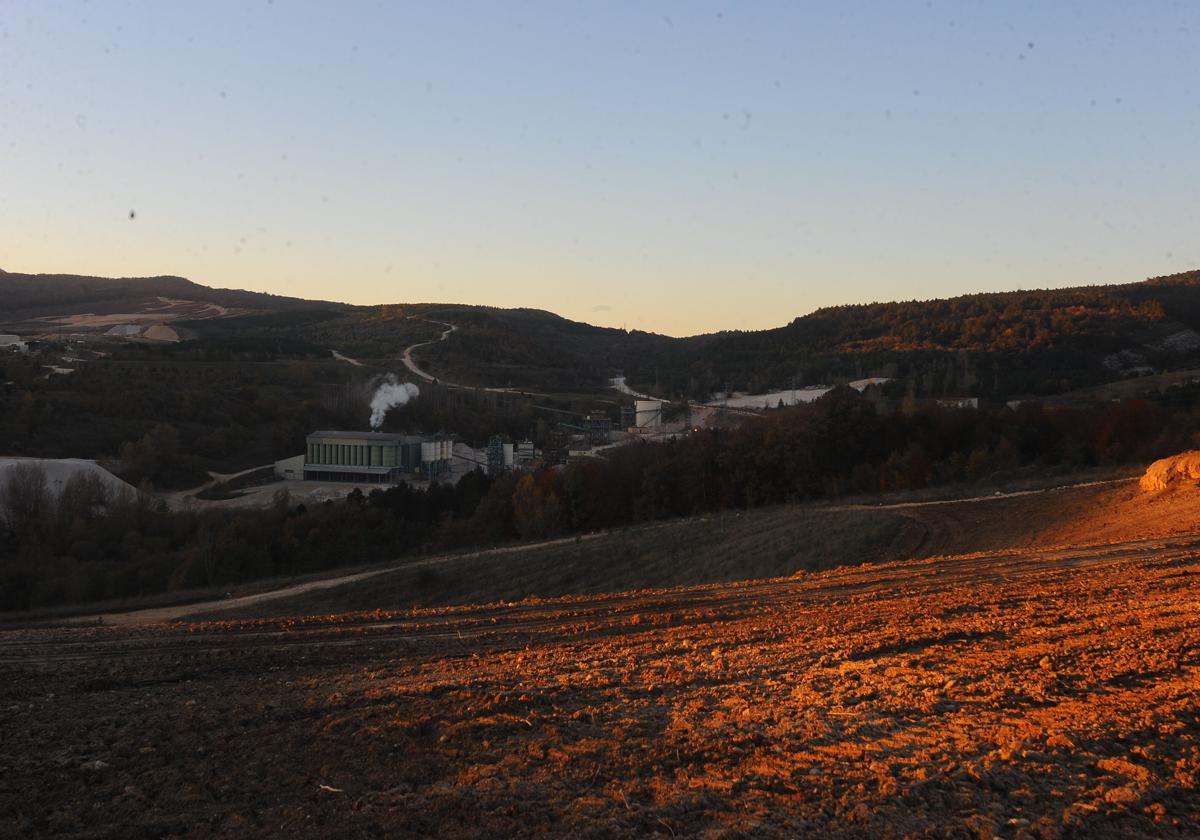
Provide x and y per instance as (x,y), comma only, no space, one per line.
(1178,470)
(160,332)
(59,471)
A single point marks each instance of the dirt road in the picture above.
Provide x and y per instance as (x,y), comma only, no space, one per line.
(157,615)
(342,358)
(413,367)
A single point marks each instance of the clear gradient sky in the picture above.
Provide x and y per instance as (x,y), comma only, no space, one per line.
(678,167)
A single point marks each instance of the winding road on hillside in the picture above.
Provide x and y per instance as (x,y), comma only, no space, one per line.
(416,369)
(411,364)
(617,383)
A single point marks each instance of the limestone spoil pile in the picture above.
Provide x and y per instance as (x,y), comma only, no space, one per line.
(1177,471)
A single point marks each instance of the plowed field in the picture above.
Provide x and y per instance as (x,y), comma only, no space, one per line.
(1024,693)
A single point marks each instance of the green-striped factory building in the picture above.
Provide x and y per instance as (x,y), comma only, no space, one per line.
(374,457)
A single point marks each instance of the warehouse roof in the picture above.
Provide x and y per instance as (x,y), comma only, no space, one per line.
(381,436)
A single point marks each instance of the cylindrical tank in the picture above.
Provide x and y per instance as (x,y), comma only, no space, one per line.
(647,413)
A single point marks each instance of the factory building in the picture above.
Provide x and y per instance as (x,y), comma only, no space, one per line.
(374,457)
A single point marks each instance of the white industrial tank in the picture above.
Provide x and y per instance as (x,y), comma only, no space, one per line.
(647,413)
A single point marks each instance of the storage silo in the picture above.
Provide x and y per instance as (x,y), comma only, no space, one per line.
(647,413)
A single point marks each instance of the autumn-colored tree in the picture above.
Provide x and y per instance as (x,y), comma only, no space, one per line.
(538,508)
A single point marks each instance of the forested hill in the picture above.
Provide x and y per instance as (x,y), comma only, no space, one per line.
(31,295)
(993,345)
(540,350)
(996,344)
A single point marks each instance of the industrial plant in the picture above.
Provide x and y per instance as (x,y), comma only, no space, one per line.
(503,456)
(388,458)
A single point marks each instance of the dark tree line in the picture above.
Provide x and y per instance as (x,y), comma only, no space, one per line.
(85,545)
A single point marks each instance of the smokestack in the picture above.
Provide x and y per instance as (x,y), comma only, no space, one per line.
(390,394)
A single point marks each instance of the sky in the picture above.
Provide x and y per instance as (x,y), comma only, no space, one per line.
(676,167)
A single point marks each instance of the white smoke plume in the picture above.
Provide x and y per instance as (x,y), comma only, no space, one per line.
(390,393)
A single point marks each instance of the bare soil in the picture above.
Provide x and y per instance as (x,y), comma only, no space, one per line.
(1029,691)
(150,311)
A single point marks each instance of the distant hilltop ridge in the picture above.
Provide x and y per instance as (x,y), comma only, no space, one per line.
(20,293)
(25,291)
(988,345)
